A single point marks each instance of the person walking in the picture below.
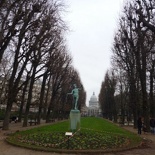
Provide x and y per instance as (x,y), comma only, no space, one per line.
(139,125)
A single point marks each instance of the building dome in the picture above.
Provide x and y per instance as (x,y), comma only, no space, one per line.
(93,109)
(93,100)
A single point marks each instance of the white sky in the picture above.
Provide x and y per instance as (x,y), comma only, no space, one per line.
(92,24)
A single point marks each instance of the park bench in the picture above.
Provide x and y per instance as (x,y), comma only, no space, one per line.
(31,122)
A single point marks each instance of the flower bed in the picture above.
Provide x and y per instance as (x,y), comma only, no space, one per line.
(99,136)
(81,140)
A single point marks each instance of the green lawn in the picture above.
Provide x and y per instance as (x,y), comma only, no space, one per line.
(101,125)
(94,134)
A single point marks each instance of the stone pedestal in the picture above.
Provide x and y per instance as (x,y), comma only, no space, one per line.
(75,119)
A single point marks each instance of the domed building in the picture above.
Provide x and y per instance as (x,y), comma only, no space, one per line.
(93,101)
(94,108)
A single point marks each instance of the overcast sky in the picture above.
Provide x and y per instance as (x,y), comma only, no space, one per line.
(92,24)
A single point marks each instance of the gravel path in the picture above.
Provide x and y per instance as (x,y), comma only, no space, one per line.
(7,149)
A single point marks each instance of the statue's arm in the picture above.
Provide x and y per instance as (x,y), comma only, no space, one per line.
(70,93)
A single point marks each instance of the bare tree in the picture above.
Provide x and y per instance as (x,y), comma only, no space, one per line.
(133,47)
(21,58)
(11,17)
(106,97)
(35,37)
(63,61)
(145,13)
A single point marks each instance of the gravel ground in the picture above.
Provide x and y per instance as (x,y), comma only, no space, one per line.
(7,149)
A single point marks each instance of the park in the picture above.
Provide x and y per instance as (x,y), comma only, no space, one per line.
(37,139)
(44,94)
(94,135)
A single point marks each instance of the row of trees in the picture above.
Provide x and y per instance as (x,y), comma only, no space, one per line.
(130,83)
(32,48)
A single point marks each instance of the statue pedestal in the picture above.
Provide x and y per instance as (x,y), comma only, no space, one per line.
(75,119)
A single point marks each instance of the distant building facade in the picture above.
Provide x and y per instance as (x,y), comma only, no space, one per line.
(93,109)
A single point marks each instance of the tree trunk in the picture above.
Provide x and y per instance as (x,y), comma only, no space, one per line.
(7,114)
(29,97)
(46,98)
(42,97)
(50,108)
(151,100)
(23,98)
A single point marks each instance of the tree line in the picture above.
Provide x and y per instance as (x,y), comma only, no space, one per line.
(33,52)
(128,87)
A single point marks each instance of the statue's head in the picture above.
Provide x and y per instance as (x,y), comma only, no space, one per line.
(74,85)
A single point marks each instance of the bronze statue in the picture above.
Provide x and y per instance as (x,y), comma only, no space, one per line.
(75,93)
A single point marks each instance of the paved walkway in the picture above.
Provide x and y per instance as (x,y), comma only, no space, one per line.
(6,149)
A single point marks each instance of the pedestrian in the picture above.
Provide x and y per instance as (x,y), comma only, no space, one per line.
(139,124)
(152,125)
